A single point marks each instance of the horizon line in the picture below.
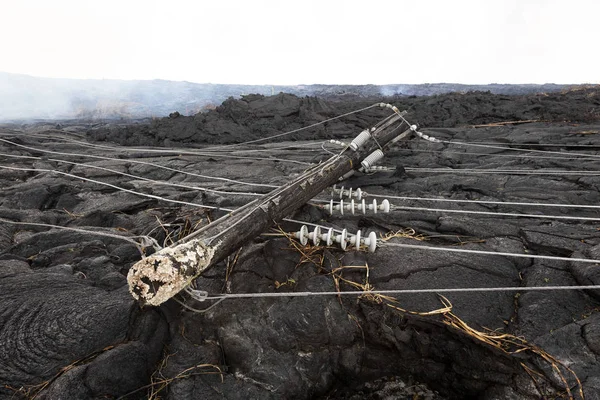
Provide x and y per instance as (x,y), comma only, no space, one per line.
(297,84)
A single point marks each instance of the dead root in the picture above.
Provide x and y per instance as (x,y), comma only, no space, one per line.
(505,342)
(309,254)
(511,344)
(409,233)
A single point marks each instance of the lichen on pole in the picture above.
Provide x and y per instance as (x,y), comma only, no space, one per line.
(155,279)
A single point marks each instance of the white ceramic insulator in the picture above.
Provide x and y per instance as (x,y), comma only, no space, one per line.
(358,193)
(353,206)
(337,142)
(355,240)
(347,193)
(302,235)
(427,137)
(360,140)
(384,206)
(373,206)
(371,242)
(363,207)
(342,239)
(380,168)
(372,159)
(328,237)
(315,235)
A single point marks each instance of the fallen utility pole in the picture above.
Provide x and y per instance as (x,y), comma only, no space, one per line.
(155,279)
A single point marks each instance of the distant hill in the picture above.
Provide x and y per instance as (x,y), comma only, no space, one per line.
(24,97)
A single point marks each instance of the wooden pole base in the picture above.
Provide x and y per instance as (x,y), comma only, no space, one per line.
(157,278)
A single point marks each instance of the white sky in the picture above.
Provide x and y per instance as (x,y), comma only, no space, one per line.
(304,42)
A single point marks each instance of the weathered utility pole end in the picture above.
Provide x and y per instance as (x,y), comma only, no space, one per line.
(155,279)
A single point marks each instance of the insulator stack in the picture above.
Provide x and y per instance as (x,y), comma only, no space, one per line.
(358,194)
(302,235)
(371,242)
(343,239)
(352,206)
(424,136)
(337,142)
(316,236)
(393,108)
(379,168)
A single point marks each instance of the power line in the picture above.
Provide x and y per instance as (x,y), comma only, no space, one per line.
(542,144)
(224,296)
(474,171)
(153,181)
(518,149)
(151,196)
(492,213)
(290,146)
(490,253)
(295,130)
(179,152)
(490,155)
(139,162)
(129,239)
(512,203)
(147,195)
(200,151)
(497,214)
